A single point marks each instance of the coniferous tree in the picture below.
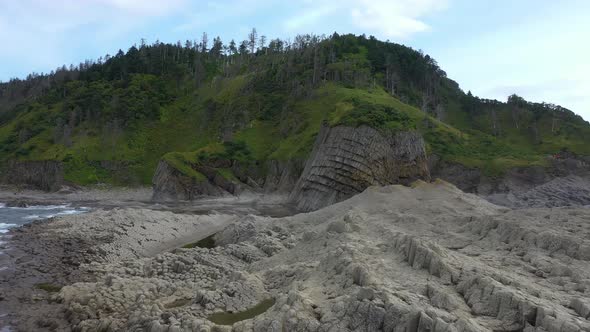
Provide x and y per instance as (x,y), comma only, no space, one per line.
(243,50)
(233,50)
(217,48)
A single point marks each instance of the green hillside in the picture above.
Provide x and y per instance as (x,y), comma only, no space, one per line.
(112,120)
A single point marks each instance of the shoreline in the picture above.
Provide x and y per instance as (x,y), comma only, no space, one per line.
(391,258)
(57,251)
(273,205)
(48,254)
(34,259)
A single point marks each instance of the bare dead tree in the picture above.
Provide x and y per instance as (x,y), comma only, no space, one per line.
(252,38)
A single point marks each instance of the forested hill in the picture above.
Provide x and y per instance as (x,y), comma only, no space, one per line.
(112,120)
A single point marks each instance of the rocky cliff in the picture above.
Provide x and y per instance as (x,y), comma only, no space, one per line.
(281,176)
(277,176)
(170,184)
(45,175)
(563,181)
(346,160)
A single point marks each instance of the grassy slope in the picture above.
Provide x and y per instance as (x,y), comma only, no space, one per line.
(338,105)
(184,128)
(180,122)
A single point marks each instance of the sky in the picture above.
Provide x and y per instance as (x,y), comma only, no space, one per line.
(535,48)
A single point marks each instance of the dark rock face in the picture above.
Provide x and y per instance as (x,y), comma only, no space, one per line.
(345,161)
(282,176)
(472,180)
(562,191)
(464,178)
(564,182)
(269,176)
(169,184)
(46,175)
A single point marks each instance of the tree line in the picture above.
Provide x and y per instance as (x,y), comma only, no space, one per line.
(353,60)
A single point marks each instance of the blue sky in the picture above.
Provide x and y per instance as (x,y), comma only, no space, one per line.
(535,48)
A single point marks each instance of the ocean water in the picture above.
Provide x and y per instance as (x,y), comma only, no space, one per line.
(17,216)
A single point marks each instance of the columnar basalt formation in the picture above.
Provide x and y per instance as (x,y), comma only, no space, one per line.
(46,175)
(346,160)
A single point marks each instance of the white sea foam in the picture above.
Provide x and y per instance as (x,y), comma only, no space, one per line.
(4,227)
(42,207)
(68,212)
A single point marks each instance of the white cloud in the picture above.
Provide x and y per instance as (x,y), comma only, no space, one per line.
(44,33)
(40,18)
(308,17)
(570,91)
(539,59)
(40,34)
(143,7)
(396,19)
(226,12)
(60,15)
(399,19)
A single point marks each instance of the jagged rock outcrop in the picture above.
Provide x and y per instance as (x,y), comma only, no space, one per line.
(473,180)
(277,176)
(47,175)
(346,160)
(282,176)
(562,191)
(170,184)
(564,181)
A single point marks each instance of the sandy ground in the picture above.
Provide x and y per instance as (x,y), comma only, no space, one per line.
(429,258)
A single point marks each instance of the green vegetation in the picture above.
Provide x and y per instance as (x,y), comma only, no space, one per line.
(208,242)
(230,318)
(376,116)
(183,162)
(111,121)
(50,288)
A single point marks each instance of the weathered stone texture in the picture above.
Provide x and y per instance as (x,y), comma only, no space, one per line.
(345,161)
(45,174)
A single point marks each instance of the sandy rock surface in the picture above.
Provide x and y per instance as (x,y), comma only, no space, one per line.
(61,251)
(135,233)
(428,258)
